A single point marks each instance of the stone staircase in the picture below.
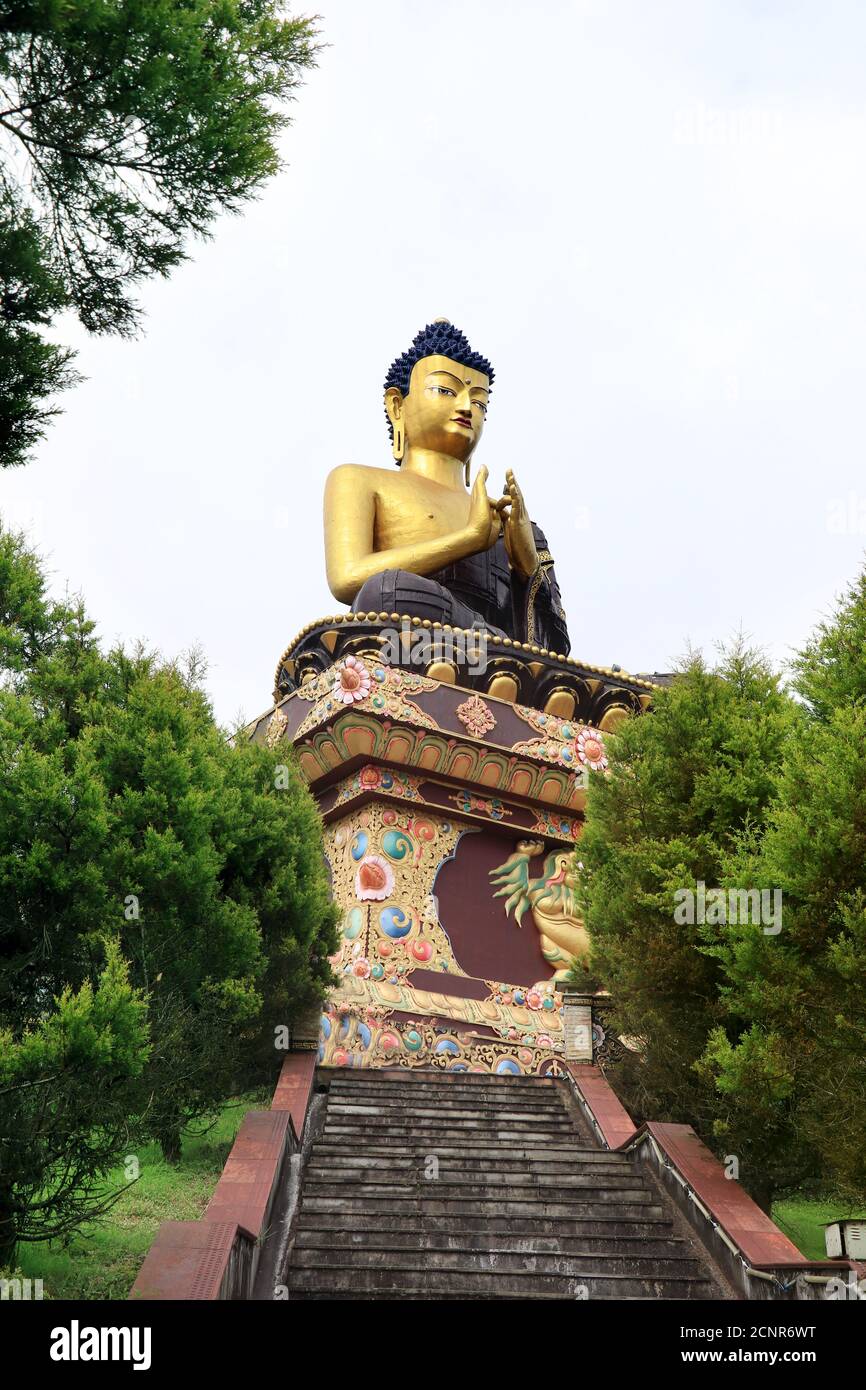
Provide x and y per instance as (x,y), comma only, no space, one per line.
(432,1185)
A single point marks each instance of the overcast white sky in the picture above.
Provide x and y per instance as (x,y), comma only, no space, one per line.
(650,216)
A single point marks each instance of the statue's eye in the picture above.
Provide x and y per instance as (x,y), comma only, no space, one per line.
(482,406)
(444,390)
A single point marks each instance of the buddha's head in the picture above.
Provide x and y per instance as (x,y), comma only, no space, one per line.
(436,393)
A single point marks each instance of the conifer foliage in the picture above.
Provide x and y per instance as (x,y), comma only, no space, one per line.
(753,1032)
(126,127)
(164,904)
(684,782)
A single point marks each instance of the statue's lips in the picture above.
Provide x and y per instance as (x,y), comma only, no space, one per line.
(461,420)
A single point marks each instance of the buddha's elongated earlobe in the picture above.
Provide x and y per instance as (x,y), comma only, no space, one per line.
(399,443)
(393,409)
(466,471)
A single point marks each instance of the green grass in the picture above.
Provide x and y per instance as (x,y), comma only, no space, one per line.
(102,1261)
(801,1219)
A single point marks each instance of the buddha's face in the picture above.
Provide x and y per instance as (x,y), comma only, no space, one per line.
(445,408)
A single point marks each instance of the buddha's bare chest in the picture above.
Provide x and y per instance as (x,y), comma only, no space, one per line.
(409,510)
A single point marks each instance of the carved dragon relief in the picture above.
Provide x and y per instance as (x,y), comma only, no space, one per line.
(551,900)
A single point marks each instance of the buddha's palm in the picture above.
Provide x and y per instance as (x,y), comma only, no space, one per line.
(484,520)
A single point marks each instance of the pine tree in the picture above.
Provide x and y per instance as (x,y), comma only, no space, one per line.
(69,1086)
(684,780)
(126,127)
(803,991)
(32,370)
(130,824)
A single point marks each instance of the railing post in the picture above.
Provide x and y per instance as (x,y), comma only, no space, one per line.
(577,1025)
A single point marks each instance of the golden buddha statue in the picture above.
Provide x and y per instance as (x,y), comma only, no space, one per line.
(419,542)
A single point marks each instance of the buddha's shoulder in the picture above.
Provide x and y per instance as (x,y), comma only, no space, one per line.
(360,475)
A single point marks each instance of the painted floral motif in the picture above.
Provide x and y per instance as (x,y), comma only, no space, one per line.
(591,750)
(559,741)
(390,694)
(352,681)
(476,716)
(491,806)
(384,780)
(369,683)
(563,741)
(551,725)
(386,857)
(551,823)
(374,880)
(386,936)
(514,1020)
(277,725)
(349,1040)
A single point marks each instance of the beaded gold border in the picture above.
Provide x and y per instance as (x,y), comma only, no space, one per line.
(621,677)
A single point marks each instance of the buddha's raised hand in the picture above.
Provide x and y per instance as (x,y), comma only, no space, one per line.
(519,537)
(484,522)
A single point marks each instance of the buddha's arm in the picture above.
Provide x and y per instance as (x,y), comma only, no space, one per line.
(350,520)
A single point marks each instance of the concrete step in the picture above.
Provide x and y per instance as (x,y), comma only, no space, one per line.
(503,1101)
(433,1108)
(546,1102)
(469,1132)
(412,1294)
(481,1129)
(536,1105)
(366,1209)
(461,1163)
(570,1155)
(441,1082)
(608,1226)
(489,1242)
(500,1262)
(452,1114)
(541,1160)
(350,1281)
(408,1180)
(481,1081)
(470,1100)
(524,1203)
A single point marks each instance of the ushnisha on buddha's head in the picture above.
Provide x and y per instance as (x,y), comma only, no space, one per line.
(436,394)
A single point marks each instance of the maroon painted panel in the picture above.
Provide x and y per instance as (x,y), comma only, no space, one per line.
(442,796)
(442,982)
(453,1025)
(486,943)
(450,798)
(441,703)
(444,703)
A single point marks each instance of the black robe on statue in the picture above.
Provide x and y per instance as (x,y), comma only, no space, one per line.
(480,591)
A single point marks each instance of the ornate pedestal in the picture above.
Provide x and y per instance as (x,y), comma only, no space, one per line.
(451,816)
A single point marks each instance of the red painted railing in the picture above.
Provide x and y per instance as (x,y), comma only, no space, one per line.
(217,1257)
(758,1258)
